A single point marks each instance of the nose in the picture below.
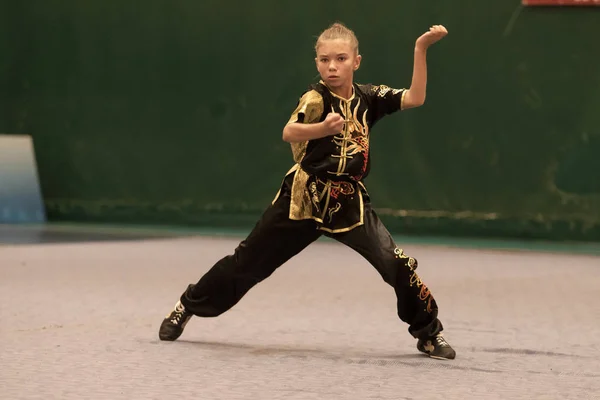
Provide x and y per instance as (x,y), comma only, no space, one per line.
(332,66)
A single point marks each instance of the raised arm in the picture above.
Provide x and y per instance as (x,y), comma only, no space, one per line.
(415,96)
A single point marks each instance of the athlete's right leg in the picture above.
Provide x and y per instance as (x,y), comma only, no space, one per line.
(273,241)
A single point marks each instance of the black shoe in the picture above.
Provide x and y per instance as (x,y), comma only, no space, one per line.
(436,347)
(172,326)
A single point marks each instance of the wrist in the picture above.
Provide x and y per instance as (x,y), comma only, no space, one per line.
(322,129)
(420,49)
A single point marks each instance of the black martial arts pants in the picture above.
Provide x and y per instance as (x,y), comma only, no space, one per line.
(275,239)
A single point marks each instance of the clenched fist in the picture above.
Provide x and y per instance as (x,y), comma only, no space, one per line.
(333,124)
(435,34)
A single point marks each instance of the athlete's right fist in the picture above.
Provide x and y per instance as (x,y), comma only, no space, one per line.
(334,123)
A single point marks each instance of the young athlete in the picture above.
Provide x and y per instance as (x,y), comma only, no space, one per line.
(324,194)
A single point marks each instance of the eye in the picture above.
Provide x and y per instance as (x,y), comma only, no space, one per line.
(341,58)
(323,60)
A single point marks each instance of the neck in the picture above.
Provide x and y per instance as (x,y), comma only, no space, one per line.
(344,91)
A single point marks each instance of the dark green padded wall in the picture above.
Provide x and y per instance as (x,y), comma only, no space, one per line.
(171,111)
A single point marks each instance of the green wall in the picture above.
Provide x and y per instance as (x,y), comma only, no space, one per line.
(171,111)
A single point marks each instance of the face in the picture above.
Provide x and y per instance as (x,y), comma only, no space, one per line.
(336,61)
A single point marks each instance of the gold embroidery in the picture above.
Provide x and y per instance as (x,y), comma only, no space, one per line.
(414,279)
(327,194)
(311,105)
(424,293)
(349,228)
(314,195)
(345,188)
(364,128)
(399,253)
(301,201)
(428,309)
(332,190)
(333,210)
(383,90)
(318,199)
(355,137)
(299,151)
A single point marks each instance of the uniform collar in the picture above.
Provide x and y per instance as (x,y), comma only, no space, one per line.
(339,97)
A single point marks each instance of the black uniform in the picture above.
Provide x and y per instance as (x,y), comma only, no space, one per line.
(323,194)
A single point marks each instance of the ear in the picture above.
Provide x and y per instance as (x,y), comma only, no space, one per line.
(357,61)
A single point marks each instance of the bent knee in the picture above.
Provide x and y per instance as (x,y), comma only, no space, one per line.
(400,270)
(405,260)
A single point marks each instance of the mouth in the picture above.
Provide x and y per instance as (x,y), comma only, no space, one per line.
(333,77)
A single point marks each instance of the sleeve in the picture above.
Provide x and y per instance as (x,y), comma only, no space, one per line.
(309,108)
(385,100)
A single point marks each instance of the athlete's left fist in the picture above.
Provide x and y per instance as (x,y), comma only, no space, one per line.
(435,34)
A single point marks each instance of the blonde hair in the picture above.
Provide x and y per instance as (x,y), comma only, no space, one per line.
(338,31)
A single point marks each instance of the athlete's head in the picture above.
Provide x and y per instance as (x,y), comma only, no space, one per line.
(337,55)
